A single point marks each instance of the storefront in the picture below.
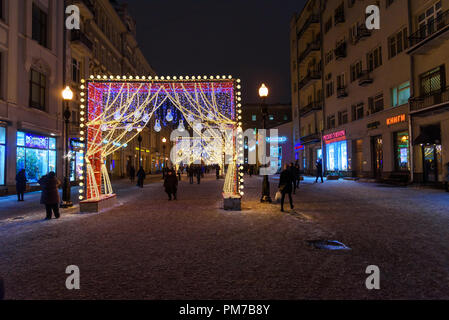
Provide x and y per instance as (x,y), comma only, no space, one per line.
(76,158)
(336,151)
(2,155)
(401,142)
(36,154)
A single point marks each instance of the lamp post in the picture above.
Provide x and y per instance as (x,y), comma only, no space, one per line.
(139,139)
(67,96)
(164,141)
(263,94)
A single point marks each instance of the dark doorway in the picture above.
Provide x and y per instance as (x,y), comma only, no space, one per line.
(377,153)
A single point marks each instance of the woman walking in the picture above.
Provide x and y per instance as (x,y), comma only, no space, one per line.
(50,194)
(140,177)
(285,186)
(171,184)
(21,184)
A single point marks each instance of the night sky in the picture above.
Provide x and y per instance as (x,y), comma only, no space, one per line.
(246,38)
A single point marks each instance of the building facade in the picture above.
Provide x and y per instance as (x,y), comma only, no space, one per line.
(31,126)
(106,45)
(307,88)
(429,105)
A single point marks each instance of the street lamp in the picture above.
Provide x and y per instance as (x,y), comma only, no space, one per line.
(263,94)
(164,141)
(67,96)
(139,139)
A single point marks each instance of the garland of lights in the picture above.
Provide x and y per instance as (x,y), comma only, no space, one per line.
(120,107)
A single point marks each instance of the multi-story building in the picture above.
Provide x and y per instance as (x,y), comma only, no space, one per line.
(429,105)
(106,45)
(306,83)
(31,126)
(367,80)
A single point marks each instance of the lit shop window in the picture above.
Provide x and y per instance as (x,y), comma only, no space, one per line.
(2,154)
(401,149)
(36,154)
(337,156)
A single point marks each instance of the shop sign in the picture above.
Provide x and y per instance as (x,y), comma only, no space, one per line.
(276,139)
(373,125)
(396,119)
(33,141)
(299,147)
(335,136)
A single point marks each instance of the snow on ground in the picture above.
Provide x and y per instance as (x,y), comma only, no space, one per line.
(149,248)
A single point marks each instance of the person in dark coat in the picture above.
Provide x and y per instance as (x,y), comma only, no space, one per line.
(179,173)
(132,173)
(21,184)
(297,175)
(446,182)
(319,170)
(198,174)
(293,172)
(50,194)
(286,185)
(171,184)
(140,177)
(217,171)
(190,172)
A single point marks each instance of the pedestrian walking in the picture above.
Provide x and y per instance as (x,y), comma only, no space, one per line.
(319,170)
(297,175)
(285,186)
(21,184)
(179,173)
(217,172)
(446,182)
(190,172)
(132,173)
(198,174)
(171,184)
(251,170)
(50,194)
(141,177)
(293,173)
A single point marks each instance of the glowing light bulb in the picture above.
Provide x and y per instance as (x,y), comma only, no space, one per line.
(146,117)
(157,126)
(129,127)
(117,115)
(181,127)
(169,116)
(199,126)
(190,118)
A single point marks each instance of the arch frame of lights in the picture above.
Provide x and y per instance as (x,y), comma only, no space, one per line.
(96,118)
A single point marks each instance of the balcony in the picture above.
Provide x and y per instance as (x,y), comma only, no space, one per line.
(362,33)
(340,50)
(313,106)
(314,18)
(81,41)
(430,36)
(313,74)
(365,78)
(339,17)
(342,92)
(430,101)
(312,46)
(311,138)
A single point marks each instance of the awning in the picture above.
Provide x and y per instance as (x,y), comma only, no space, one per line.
(429,135)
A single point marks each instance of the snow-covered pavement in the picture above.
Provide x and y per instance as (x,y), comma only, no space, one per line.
(149,248)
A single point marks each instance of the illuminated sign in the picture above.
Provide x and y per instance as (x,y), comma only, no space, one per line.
(396,119)
(33,141)
(335,136)
(299,147)
(277,139)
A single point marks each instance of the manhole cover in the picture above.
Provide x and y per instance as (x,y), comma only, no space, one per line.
(328,245)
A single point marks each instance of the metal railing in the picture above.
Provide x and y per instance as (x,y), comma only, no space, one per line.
(362,32)
(339,17)
(340,50)
(312,46)
(341,92)
(429,29)
(365,78)
(429,100)
(314,18)
(313,74)
(313,106)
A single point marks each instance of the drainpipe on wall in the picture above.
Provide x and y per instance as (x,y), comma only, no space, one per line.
(412,94)
(323,146)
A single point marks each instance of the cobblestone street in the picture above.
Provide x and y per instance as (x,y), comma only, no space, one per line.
(149,248)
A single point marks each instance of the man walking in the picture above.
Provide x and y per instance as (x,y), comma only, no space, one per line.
(50,194)
(140,177)
(319,170)
(285,186)
(198,174)
(171,184)
(190,172)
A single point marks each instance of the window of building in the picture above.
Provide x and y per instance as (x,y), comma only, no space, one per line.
(397,43)
(374,59)
(36,154)
(400,94)
(351,3)
(426,20)
(358,112)
(329,57)
(337,156)
(2,155)
(341,83)
(40,20)
(328,25)
(331,122)
(376,103)
(340,14)
(38,88)
(389,2)
(432,81)
(329,89)
(271,117)
(401,151)
(343,117)
(76,70)
(254,117)
(356,70)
